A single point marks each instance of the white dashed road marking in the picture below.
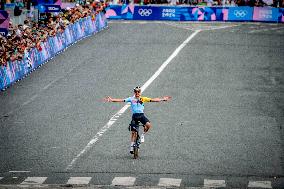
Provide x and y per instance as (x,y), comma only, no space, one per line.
(38,182)
(79,180)
(34,180)
(214,183)
(123,181)
(259,184)
(169,182)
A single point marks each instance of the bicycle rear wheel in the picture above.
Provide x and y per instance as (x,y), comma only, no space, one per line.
(135,152)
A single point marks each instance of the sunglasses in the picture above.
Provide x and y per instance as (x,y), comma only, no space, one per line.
(137,91)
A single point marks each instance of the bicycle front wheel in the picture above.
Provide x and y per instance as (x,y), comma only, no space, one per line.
(135,152)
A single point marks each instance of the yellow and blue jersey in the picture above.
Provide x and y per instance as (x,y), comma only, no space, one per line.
(137,105)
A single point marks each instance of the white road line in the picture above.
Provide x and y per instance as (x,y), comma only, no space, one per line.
(34,180)
(169,182)
(253,27)
(96,137)
(28,101)
(220,27)
(123,181)
(173,55)
(124,108)
(79,180)
(279,28)
(265,30)
(259,184)
(19,171)
(134,22)
(178,26)
(214,183)
(203,28)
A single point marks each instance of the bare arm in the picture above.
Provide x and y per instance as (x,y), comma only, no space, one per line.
(109,99)
(165,98)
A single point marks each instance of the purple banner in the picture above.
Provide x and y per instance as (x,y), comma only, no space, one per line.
(58,2)
(281,15)
(120,12)
(4,19)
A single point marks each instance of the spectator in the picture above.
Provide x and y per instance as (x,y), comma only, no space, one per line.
(26,24)
(278,3)
(241,3)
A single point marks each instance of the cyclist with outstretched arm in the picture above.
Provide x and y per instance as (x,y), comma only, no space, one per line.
(137,107)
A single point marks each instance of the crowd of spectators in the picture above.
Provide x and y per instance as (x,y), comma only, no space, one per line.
(21,38)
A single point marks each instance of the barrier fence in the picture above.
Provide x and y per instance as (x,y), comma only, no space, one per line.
(180,13)
(16,70)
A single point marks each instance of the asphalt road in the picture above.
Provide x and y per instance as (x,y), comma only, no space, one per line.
(225,121)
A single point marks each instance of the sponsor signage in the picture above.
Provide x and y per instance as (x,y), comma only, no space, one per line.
(3,31)
(49,8)
(267,14)
(240,13)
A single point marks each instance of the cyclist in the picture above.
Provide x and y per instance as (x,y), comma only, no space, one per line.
(137,108)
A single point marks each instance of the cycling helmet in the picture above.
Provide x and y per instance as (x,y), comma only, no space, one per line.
(137,89)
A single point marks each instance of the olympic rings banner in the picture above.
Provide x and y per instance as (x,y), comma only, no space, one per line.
(240,13)
(16,70)
(179,13)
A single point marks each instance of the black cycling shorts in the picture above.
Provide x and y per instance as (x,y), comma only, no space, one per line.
(136,118)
